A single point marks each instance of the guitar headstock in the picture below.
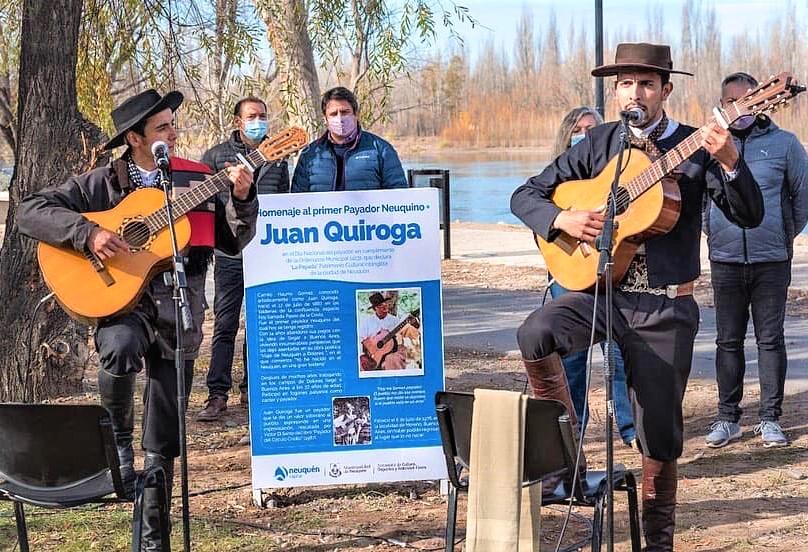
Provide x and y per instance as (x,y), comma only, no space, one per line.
(767,97)
(283,144)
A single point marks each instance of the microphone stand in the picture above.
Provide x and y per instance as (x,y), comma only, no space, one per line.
(183,321)
(605,265)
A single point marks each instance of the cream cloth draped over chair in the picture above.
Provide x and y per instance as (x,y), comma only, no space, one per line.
(502,515)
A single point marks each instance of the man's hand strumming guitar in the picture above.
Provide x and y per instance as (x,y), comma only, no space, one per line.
(582,225)
(105,244)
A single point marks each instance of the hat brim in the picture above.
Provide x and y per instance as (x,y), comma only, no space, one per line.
(172,100)
(615,68)
(372,306)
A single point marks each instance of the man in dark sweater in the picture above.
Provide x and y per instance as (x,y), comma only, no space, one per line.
(250,118)
(656,318)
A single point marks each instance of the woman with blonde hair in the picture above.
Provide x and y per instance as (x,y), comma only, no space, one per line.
(573,128)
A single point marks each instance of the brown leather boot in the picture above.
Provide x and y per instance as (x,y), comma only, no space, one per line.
(548,380)
(659,480)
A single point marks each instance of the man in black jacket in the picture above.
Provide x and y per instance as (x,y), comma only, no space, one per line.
(145,336)
(250,118)
(655,319)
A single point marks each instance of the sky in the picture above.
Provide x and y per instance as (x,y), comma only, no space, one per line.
(499,17)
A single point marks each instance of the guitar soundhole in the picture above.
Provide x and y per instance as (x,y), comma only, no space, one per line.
(623,200)
(136,233)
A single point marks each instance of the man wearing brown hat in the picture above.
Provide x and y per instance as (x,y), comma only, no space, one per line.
(145,336)
(655,319)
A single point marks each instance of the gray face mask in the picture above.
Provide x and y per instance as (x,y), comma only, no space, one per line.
(743,122)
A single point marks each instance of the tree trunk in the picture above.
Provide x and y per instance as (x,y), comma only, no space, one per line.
(43,356)
(288,35)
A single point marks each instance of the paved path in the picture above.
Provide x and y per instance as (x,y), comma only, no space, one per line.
(486,319)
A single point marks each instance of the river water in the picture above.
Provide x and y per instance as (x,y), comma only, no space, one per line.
(481,183)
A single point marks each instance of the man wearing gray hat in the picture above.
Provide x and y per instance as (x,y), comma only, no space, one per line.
(655,318)
(144,336)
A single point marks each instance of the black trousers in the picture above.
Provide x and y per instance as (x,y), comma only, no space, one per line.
(763,289)
(228,275)
(655,335)
(125,345)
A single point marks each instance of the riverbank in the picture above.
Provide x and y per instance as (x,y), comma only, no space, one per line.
(413,146)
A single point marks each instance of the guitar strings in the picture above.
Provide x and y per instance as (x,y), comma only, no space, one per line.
(671,159)
(187,201)
(290,140)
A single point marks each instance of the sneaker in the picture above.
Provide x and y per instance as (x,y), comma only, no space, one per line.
(213,410)
(722,432)
(772,434)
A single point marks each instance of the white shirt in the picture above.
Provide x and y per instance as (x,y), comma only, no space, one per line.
(372,324)
(148,178)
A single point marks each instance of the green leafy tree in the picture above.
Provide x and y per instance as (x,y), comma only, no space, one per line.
(378,36)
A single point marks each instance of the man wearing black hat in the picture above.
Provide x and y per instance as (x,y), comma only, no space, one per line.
(145,336)
(655,319)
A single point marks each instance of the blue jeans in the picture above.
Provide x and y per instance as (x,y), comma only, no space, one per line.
(763,289)
(228,275)
(575,367)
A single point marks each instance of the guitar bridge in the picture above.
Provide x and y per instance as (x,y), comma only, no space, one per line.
(100,268)
(566,243)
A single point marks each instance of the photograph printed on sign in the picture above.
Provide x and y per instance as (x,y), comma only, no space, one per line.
(351,420)
(389,332)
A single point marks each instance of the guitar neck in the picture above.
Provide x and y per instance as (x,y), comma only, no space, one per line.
(198,194)
(664,165)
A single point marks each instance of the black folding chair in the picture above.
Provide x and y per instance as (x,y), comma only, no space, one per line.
(61,456)
(550,450)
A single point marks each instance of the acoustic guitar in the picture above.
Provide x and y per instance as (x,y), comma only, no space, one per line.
(647,199)
(378,346)
(90,289)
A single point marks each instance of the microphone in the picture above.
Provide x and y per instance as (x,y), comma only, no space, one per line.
(159,150)
(633,115)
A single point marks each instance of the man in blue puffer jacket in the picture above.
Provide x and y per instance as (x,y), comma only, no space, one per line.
(752,268)
(346,157)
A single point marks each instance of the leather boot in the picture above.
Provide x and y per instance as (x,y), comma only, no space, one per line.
(117,395)
(659,481)
(152,536)
(548,380)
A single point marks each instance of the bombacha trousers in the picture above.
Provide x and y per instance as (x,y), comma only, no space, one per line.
(655,334)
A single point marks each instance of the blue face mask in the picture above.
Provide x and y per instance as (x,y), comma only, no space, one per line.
(256,129)
(575,138)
